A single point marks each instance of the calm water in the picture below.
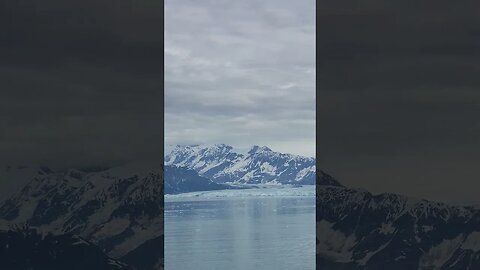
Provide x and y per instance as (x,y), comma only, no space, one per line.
(253,232)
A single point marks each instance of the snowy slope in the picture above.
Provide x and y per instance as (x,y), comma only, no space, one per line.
(221,163)
(358,230)
(117,209)
(14,178)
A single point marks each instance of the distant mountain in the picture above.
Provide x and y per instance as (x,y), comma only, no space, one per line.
(222,164)
(180,180)
(118,209)
(358,230)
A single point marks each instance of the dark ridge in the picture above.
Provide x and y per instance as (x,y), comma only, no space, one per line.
(147,255)
(324,179)
(25,249)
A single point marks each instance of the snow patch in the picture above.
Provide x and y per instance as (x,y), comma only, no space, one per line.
(439,254)
(267,168)
(387,228)
(334,244)
(472,242)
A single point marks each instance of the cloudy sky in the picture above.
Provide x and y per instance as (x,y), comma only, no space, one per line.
(241,73)
(80,82)
(399,96)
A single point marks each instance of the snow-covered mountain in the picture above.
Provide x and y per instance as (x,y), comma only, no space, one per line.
(358,230)
(222,164)
(119,209)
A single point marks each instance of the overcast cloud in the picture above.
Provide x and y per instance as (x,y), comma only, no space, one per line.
(398,96)
(241,73)
(80,82)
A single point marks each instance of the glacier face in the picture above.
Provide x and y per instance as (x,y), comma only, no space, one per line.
(260,165)
(255,191)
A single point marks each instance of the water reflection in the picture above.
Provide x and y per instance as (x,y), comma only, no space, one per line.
(250,233)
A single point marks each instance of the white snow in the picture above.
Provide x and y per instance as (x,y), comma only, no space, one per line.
(249,175)
(302,173)
(5,225)
(240,166)
(472,242)
(80,241)
(334,244)
(369,255)
(387,228)
(427,228)
(208,166)
(267,168)
(439,254)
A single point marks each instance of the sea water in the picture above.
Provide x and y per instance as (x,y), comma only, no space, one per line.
(272,227)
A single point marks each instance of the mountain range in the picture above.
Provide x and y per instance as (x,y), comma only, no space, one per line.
(260,165)
(119,211)
(359,230)
(116,216)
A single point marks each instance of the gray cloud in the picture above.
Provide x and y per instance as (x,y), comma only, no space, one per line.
(398,96)
(81,82)
(240,72)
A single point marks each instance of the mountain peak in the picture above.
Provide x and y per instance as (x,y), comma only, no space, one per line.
(256,149)
(45,170)
(324,179)
(202,146)
(218,146)
(222,163)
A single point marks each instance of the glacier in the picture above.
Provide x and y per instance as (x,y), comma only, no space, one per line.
(249,191)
